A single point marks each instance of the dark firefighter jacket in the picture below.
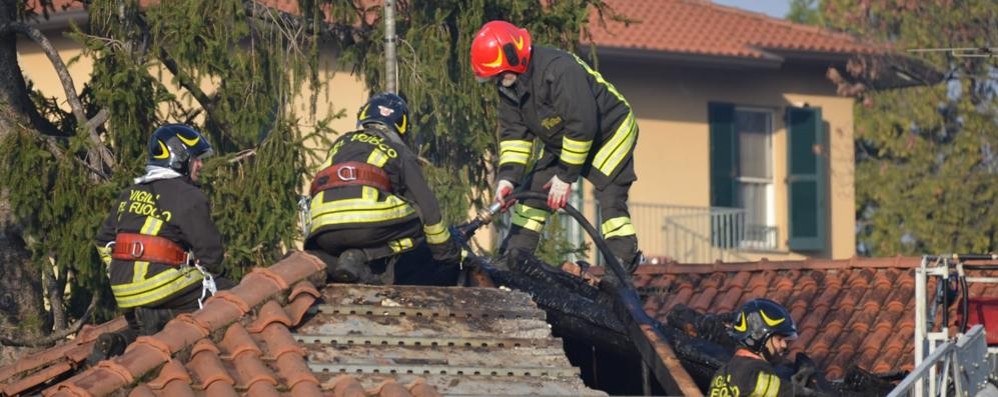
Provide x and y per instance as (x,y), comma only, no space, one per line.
(747,375)
(174,209)
(585,125)
(358,206)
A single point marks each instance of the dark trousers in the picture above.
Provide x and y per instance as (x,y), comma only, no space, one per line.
(414,266)
(616,223)
(148,320)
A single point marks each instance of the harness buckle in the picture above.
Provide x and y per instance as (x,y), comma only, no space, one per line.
(350,173)
(136,249)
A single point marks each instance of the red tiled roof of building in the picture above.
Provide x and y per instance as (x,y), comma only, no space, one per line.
(696,27)
(240,343)
(283,331)
(703,28)
(33,369)
(849,312)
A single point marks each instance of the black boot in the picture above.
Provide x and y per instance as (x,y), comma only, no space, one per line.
(351,267)
(108,345)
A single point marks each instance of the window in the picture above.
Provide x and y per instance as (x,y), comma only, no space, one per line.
(742,193)
(754,176)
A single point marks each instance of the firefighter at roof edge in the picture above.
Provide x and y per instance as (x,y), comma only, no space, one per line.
(585,127)
(373,217)
(163,252)
(763,329)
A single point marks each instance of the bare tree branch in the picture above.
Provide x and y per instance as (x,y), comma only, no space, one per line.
(67,84)
(56,336)
(242,156)
(55,294)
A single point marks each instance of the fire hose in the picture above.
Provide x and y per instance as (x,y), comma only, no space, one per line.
(655,351)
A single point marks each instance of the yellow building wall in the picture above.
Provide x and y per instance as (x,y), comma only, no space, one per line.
(672,155)
(340,90)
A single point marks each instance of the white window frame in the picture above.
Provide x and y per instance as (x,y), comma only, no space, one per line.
(770,188)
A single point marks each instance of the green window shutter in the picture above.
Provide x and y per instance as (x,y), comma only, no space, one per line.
(723,154)
(806,181)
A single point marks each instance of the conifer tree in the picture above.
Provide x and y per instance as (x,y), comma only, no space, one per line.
(62,169)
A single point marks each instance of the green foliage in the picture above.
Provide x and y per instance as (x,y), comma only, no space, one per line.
(257,66)
(927,157)
(454,117)
(257,70)
(805,12)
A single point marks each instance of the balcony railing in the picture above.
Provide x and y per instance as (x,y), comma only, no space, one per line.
(694,234)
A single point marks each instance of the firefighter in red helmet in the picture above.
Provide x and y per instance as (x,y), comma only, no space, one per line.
(583,124)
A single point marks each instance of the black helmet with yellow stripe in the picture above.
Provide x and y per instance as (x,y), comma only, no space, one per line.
(386,109)
(173,146)
(758,320)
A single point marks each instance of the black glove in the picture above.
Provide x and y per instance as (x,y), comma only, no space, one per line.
(448,253)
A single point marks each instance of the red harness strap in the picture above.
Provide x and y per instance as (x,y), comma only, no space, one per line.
(139,247)
(349,174)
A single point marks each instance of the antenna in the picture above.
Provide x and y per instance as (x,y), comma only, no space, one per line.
(962,52)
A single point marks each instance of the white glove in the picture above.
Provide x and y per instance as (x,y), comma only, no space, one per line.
(558,193)
(503,189)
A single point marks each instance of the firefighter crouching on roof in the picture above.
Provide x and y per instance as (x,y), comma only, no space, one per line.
(586,128)
(762,329)
(159,242)
(370,204)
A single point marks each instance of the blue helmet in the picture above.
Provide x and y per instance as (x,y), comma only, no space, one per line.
(758,320)
(387,109)
(173,146)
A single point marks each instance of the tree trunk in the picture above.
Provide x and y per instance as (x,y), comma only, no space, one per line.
(22,313)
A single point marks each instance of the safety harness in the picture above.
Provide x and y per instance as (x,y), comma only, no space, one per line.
(351,173)
(139,247)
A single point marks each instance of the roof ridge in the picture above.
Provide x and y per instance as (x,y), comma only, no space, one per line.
(906,262)
(778,21)
(226,308)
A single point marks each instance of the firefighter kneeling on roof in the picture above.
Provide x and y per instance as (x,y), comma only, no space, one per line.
(373,218)
(163,252)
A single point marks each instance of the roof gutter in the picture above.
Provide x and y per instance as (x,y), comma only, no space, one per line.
(60,20)
(689,59)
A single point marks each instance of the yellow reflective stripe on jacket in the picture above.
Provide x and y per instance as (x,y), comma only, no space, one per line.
(617,227)
(615,149)
(599,79)
(155,288)
(436,233)
(515,151)
(400,245)
(377,158)
(366,209)
(529,218)
(151,226)
(139,271)
(766,385)
(574,152)
(105,254)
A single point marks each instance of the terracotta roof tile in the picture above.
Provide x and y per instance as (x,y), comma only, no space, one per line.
(241,344)
(848,312)
(702,28)
(38,367)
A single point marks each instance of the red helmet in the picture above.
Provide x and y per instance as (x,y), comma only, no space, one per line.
(500,47)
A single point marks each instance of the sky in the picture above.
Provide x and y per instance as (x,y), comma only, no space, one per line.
(775,8)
